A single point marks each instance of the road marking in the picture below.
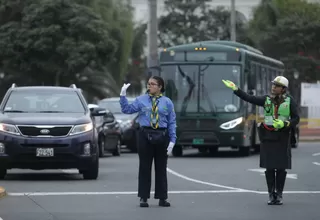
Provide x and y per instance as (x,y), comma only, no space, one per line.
(205,183)
(71,171)
(316,154)
(316,163)
(115,193)
(135,193)
(259,170)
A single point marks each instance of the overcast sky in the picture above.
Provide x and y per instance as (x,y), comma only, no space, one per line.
(244,6)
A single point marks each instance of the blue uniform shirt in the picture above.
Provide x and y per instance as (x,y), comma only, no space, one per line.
(143,105)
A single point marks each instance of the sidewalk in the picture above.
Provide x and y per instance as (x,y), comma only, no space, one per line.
(309,134)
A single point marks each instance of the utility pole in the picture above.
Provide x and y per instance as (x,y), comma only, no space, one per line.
(152,34)
(233,21)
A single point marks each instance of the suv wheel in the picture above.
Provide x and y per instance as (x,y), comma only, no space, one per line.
(117,151)
(93,172)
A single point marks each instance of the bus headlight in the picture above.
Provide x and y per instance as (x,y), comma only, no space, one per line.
(231,124)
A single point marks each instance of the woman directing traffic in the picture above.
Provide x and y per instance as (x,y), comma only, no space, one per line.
(280,116)
(156,137)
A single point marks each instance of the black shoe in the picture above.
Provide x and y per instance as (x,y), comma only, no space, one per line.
(164,203)
(278,199)
(272,199)
(144,203)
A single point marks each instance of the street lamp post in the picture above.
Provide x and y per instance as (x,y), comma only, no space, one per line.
(296,87)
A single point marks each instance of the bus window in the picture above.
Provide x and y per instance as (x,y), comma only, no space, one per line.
(269,78)
(259,81)
(264,80)
(181,86)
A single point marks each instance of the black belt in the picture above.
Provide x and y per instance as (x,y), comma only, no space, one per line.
(151,128)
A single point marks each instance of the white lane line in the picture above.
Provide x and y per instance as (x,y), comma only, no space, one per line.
(135,193)
(70,171)
(206,183)
(316,163)
(316,154)
(115,193)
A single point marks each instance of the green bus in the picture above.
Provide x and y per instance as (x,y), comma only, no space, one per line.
(209,115)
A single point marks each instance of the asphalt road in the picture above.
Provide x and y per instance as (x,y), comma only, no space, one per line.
(202,187)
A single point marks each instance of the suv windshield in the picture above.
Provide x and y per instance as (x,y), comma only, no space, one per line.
(44,101)
(199,88)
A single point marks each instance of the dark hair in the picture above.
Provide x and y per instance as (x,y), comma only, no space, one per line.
(160,81)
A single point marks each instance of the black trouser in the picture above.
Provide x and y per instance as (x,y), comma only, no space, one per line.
(147,152)
(275,180)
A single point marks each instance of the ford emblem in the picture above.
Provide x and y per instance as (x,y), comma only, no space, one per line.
(44,131)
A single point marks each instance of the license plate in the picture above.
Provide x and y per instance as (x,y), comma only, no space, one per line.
(45,152)
(198,141)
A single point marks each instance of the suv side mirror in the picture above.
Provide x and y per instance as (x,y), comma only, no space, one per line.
(98,112)
(92,106)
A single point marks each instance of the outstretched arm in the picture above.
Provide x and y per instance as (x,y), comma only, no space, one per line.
(256,100)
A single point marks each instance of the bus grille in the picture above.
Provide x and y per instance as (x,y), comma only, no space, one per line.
(198,124)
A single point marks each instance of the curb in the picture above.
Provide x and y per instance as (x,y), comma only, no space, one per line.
(3,192)
(309,139)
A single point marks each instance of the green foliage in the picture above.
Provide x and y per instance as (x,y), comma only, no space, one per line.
(284,31)
(190,21)
(119,15)
(59,42)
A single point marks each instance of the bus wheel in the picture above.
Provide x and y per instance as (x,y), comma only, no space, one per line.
(213,150)
(244,151)
(177,151)
(202,149)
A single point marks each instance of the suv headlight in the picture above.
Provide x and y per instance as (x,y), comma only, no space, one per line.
(231,124)
(81,128)
(12,129)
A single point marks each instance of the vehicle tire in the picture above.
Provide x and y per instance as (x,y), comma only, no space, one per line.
(213,150)
(297,139)
(102,142)
(93,172)
(3,173)
(117,151)
(202,150)
(244,151)
(177,151)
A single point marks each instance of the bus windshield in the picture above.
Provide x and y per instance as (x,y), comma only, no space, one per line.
(199,88)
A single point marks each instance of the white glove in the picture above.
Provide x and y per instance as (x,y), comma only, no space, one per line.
(169,149)
(124,89)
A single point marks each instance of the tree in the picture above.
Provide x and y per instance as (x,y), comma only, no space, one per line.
(138,61)
(119,16)
(191,21)
(292,36)
(54,42)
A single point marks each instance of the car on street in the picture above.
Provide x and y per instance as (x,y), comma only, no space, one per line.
(109,133)
(48,127)
(126,121)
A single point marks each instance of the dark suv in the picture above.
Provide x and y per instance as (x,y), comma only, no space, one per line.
(45,127)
